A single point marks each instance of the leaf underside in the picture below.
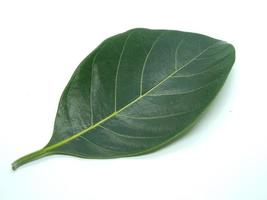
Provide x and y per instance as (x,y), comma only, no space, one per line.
(137,91)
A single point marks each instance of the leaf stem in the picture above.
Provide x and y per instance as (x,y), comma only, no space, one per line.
(29,157)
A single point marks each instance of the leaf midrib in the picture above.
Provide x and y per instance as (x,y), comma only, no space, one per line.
(76,135)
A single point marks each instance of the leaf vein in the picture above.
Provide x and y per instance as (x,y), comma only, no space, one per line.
(126,136)
(91,88)
(147,56)
(90,142)
(117,70)
(176,53)
(157,117)
(182,93)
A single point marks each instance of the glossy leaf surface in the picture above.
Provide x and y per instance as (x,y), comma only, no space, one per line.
(136,92)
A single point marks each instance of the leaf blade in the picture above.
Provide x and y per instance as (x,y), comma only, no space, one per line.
(176,83)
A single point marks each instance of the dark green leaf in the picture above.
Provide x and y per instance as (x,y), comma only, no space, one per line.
(136,92)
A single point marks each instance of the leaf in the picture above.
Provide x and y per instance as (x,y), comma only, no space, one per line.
(136,92)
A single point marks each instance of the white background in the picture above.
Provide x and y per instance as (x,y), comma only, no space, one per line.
(224,157)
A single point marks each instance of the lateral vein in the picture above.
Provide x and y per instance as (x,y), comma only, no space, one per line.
(182,93)
(91,87)
(147,56)
(126,136)
(117,70)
